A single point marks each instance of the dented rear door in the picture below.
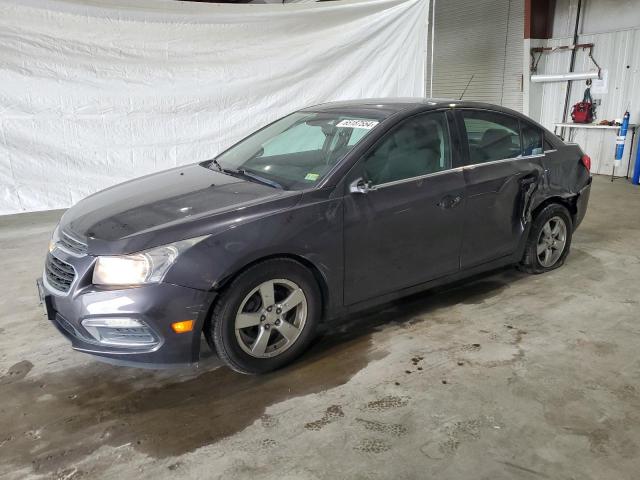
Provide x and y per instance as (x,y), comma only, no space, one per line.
(501,176)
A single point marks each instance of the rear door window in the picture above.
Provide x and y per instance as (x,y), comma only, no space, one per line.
(491,135)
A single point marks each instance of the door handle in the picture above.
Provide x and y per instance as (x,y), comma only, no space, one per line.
(450,201)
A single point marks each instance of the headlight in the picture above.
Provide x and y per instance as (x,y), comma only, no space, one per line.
(54,239)
(149,266)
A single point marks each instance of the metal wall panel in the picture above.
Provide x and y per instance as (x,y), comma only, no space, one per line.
(614,52)
(599,16)
(483,38)
(512,76)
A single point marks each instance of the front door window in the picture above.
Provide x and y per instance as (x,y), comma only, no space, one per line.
(417,147)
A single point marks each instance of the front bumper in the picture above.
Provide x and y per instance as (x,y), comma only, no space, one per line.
(156,306)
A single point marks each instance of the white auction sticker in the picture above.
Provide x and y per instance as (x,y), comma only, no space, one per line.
(364,124)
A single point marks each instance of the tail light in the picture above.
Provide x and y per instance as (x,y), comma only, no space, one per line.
(586,161)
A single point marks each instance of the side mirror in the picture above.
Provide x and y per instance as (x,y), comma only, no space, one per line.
(258,154)
(360,186)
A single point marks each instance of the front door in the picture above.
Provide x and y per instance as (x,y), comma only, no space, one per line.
(403,225)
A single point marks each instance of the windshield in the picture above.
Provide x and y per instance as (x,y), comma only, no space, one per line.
(296,151)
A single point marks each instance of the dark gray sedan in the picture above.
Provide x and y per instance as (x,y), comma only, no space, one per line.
(331,209)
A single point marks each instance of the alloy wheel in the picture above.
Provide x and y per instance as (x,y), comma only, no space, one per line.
(552,241)
(271,318)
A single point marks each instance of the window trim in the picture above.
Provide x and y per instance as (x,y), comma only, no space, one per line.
(415,179)
(475,165)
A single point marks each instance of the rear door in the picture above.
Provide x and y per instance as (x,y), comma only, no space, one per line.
(502,167)
(405,227)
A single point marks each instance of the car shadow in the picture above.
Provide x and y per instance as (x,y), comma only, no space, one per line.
(474,290)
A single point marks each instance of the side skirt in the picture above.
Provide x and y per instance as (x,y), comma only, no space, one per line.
(485,267)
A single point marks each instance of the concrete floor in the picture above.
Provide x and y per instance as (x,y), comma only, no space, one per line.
(507,376)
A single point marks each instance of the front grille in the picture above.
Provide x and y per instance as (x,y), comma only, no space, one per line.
(60,275)
(71,244)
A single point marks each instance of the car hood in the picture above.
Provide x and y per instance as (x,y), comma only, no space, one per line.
(165,207)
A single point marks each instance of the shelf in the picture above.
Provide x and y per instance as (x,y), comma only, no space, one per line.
(632,126)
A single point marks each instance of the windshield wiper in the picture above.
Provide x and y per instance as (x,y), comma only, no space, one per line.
(215,162)
(242,172)
(250,174)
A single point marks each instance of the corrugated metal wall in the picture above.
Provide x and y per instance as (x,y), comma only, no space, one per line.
(618,53)
(483,38)
(598,16)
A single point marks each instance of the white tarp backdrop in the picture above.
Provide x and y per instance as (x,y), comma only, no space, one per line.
(93,93)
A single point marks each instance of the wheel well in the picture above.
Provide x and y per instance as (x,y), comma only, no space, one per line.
(322,284)
(568,203)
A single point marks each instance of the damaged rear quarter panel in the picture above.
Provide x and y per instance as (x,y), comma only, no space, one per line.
(564,177)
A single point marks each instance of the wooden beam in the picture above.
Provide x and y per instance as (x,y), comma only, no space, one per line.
(538,18)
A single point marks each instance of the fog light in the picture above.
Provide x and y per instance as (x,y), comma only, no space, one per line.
(183,326)
(125,332)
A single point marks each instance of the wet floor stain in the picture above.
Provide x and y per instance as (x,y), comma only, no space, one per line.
(51,422)
(269,421)
(393,429)
(606,435)
(483,291)
(330,415)
(596,270)
(372,445)
(268,443)
(387,403)
(595,347)
(16,372)
(453,435)
(81,410)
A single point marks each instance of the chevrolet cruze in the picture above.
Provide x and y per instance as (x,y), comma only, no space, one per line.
(328,210)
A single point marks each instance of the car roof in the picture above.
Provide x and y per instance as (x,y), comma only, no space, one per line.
(381,108)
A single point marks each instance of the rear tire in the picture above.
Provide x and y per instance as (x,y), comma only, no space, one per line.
(266,317)
(549,240)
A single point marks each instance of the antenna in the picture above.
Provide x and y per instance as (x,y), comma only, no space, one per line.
(465,88)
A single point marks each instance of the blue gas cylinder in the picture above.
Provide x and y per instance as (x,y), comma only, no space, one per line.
(622,136)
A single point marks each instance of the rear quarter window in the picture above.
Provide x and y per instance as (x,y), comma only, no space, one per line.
(548,143)
(532,139)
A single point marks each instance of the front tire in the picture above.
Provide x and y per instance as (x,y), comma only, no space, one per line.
(549,240)
(266,317)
